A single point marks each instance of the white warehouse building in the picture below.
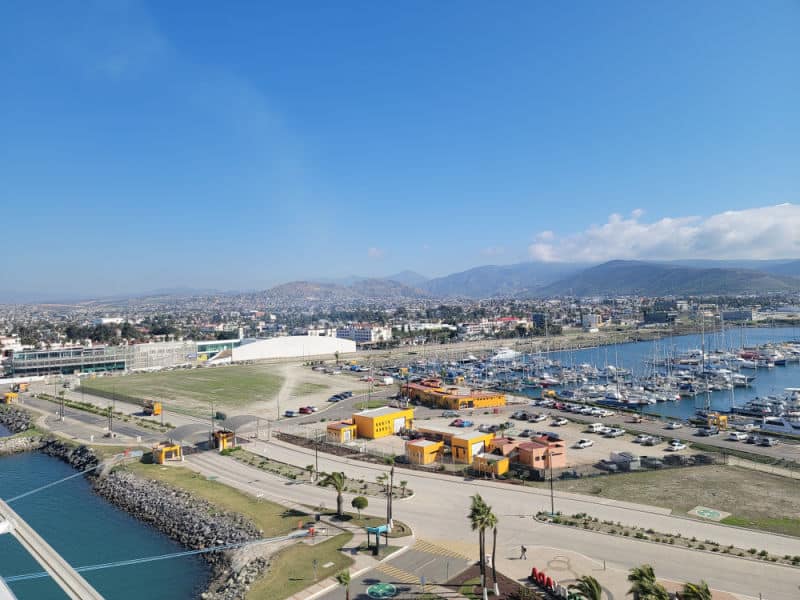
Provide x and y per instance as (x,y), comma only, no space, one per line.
(294,346)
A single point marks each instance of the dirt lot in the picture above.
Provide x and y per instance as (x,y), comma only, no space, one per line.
(754,499)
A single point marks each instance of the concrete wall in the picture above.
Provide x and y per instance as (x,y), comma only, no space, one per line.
(295,346)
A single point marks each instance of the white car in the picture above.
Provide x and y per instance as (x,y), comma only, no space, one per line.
(559,422)
(604,430)
(676,445)
(537,418)
(583,444)
(586,410)
(641,438)
(737,436)
(674,425)
(615,433)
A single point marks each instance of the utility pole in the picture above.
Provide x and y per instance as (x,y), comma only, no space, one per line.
(389,491)
(552,497)
(316,456)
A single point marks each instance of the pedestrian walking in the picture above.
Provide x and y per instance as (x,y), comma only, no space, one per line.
(523,553)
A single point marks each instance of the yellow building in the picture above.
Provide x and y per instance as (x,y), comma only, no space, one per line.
(380,422)
(466,446)
(340,432)
(224,439)
(164,452)
(490,463)
(10,397)
(432,392)
(423,452)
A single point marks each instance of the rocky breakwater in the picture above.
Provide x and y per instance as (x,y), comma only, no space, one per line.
(15,419)
(191,521)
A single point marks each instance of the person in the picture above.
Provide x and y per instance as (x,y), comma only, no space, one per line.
(523,553)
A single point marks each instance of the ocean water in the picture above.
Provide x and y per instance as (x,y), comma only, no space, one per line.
(633,356)
(87,530)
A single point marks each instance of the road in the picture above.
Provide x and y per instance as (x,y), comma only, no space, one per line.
(440,504)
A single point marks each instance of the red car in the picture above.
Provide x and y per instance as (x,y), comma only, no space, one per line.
(306,410)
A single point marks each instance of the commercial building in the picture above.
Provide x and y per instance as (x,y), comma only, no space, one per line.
(341,432)
(162,355)
(380,422)
(365,334)
(292,346)
(491,464)
(432,392)
(540,453)
(423,452)
(737,315)
(466,446)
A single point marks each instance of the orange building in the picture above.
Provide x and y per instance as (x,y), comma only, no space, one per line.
(431,391)
(540,453)
(490,463)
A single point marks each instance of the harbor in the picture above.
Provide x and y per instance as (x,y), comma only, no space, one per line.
(753,373)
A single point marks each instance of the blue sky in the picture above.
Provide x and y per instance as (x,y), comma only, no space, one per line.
(238,145)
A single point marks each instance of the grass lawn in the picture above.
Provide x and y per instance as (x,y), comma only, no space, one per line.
(467,588)
(233,386)
(273,518)
(736,490)
(291,570)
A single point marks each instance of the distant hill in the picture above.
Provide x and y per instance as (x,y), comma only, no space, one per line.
(409,278)
(361,289)
(620,277)
(499,280)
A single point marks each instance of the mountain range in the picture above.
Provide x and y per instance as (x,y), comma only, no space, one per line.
(525,280)
(618,277)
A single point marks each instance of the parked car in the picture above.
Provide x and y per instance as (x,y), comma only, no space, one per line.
(616,432)
(346,394)
(707,431)
(520,415)
(767,441)
(753,438)
(559,422)
(676,445)
(289,413)
(737,436)
(526,433)
(485,428)
(641,438)
(461,423)
(335,398)
(674,425)
(450,413)
(652,441)
(583,443)
(306,410)
(537,418)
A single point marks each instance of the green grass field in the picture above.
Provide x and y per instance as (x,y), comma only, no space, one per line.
(273,518)
(188,389)
(291,570)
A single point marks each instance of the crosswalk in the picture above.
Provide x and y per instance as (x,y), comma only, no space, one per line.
(397,575)
(431,548)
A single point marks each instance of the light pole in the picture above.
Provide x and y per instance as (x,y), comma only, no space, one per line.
(552,496)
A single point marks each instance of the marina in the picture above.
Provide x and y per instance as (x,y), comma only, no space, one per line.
(751,372)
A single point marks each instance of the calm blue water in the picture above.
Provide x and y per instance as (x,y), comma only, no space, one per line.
(633,356)
(87,530)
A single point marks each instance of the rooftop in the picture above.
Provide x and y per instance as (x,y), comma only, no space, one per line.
(382,411)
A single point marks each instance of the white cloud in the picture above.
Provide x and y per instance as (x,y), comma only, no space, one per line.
(754,233)
(375,253)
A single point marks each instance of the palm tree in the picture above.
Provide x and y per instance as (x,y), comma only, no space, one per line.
(587,587)
(343,577)
(338,481)
(696,591)
(403,485)
(480,521)
(645,586)
(491,521)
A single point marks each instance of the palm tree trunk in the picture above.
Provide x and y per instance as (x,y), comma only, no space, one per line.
(482,558)
(339,504)
(494,561)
